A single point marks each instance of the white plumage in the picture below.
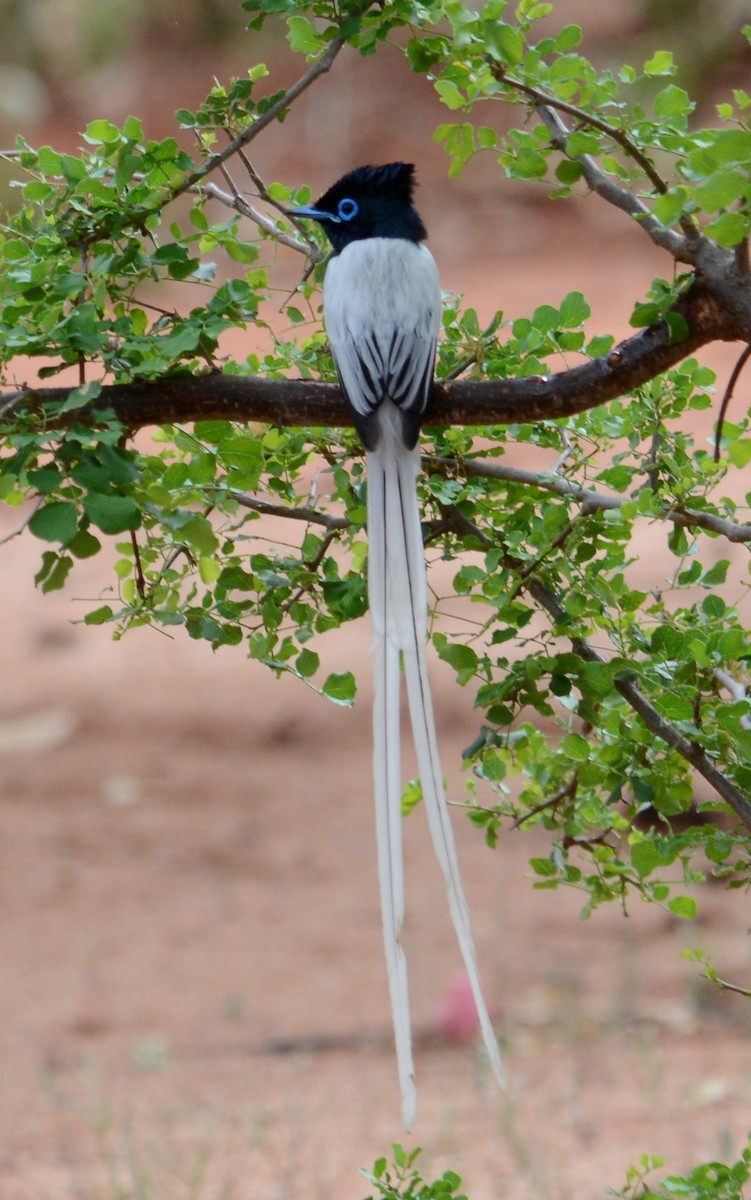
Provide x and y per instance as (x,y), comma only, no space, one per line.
(382,306)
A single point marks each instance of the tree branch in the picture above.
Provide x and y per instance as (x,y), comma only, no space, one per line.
(656,723)
(295,402)
(237,201)
(681,248)
(590,500)
(259,123)
(312,516)
(547,99)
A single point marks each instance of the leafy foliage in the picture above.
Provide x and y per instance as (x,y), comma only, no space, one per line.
(400,1180)
(596,694)
(198,515)
(708,1181)
(254,535)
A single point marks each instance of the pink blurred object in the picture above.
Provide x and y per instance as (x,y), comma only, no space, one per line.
(457,1019)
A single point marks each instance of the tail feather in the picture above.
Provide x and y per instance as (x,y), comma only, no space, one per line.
(386,770)
(398,599)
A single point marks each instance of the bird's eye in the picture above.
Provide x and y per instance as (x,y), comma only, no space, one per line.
(348,209)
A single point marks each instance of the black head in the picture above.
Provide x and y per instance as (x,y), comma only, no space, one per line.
(368,202)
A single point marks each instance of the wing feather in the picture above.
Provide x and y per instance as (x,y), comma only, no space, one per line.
(385,335)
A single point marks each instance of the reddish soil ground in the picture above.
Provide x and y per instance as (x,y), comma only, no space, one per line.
(192,994)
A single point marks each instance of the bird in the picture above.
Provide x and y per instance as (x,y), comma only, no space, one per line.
(382,312)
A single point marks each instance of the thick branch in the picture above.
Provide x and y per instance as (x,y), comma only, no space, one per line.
(185,398)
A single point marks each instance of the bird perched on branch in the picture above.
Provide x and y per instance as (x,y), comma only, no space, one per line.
(382,308)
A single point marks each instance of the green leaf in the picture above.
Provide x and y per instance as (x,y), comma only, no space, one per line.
(461,657)
(729,229)
(569,172)
(302,37)
(307,663)
(209,569)
(99,616)
(661,63)
(112,514)
(739,452)
(671,205)
(646,858)
(546,318)
(450,94)
(81,396)
(683,906)
(722,190)
(84,544)
(574,310)
(672,101)
(55,522)
(503,42)
(102,131)
(576,747)
(341,688)
(582,141)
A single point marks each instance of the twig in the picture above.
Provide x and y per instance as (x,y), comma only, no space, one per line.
(612,131)
(22,527)
(568,790)
(599,182)
(140,578)
(727,987)
(590,501)
(654,721)
(320,67)
(242,206)
(311,515)
(683,249)
(734,376)
(565,453)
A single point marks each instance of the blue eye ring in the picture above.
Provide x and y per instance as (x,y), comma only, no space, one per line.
(347,209)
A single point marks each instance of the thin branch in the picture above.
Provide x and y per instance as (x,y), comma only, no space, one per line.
(591,501)
(305,513)
(727,987)
(681,248)
(629,148)
(320,67)
(238,202)
(14,533)
(734,377)
(566,792)
(654,721)
(546,103)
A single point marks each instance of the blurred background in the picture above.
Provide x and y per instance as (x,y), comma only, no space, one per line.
(192,996)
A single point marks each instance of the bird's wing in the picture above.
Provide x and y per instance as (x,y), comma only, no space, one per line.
(383,336)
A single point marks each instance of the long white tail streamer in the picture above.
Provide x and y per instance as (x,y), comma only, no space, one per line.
(397,589)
